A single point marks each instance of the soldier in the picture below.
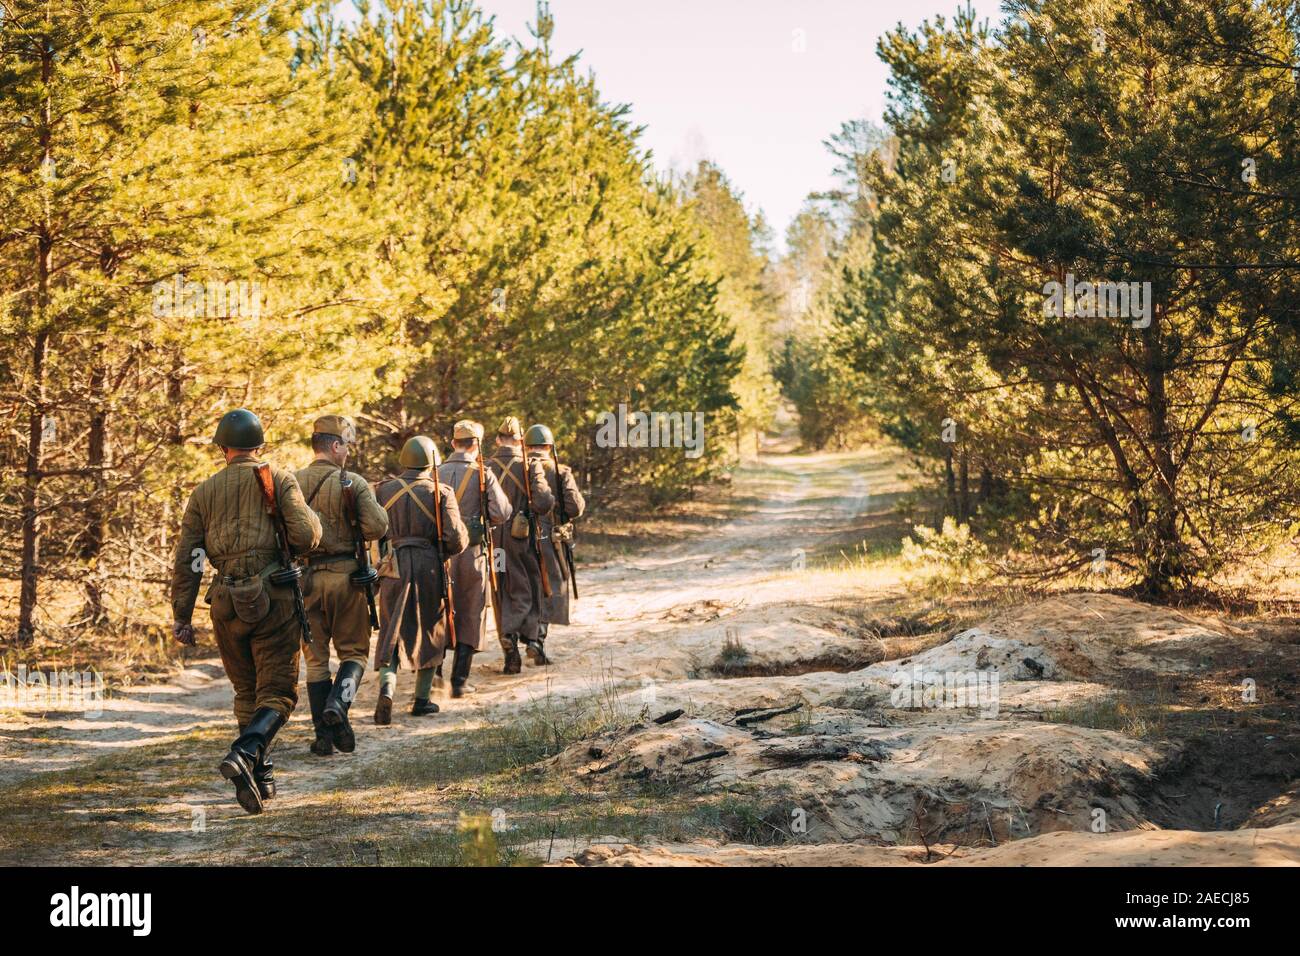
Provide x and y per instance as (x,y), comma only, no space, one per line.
(560,482)
(470,574)
(254,620)
(520,589)
(337,605)
(411,575)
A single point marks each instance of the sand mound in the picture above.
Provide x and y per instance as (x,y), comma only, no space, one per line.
(847,777)
(1281,810)
(1081,636)
(834,756)
(1279,846)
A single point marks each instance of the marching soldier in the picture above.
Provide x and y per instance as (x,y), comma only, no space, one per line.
(554,533)
(520,590)
(229,522)
(337,606)
(470,573)
(424,529)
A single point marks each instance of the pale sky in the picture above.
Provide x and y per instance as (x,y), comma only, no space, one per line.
(754,85)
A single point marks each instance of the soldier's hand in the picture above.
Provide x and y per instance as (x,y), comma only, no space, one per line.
(184,633)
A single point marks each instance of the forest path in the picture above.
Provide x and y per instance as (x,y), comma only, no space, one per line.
(644,620)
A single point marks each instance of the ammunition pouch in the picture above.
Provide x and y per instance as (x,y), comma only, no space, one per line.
(249,598)
(475,527)
(519,526)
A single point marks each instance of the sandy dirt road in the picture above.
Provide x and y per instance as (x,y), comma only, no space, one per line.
(642,620)
(137,782)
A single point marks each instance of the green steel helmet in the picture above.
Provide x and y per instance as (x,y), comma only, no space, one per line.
(538,435)
(419,452)
(239,429)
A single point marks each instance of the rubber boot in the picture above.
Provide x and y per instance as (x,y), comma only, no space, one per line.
(460,671)
(510,645)
(346,682)
(245,754)
(317,692)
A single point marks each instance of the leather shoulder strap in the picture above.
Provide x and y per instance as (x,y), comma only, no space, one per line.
(464,482)
(408,489)
(510,473)
(319,485)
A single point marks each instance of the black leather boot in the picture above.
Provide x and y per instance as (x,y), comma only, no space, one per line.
(317,693)
(264,775)
(510,645)
(460,671)
(536,648)
(423,707)
(346,683)
(384,710)
(246,752)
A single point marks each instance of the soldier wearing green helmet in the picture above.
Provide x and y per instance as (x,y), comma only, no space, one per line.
(254,619)
(555,528)
(422,514)
(519,575)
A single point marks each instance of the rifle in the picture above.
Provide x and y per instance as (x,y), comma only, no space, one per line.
(365,576)
(443,561)
(290,574)
(533,532)
(566,545)
(487,538)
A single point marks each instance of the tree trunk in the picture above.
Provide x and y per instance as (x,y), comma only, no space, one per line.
(950,485)
(1165,557)
(98,454)
(31,545)
(963,496)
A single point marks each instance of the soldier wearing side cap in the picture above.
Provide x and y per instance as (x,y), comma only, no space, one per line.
(520,587)
(469,569)
(411,583)
(253,618)
(336,602)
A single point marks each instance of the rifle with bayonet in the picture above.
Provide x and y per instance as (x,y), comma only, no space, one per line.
(365,576)
(566,530)
(489,548)
(534,532)
(289,574)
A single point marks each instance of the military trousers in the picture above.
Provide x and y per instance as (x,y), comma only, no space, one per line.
(338,615)
(261,660)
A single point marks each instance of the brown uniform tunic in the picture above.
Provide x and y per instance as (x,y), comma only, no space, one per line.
(556,610)
(226,522)
(337,611)
(469,569)
(410,605)
(520,587)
